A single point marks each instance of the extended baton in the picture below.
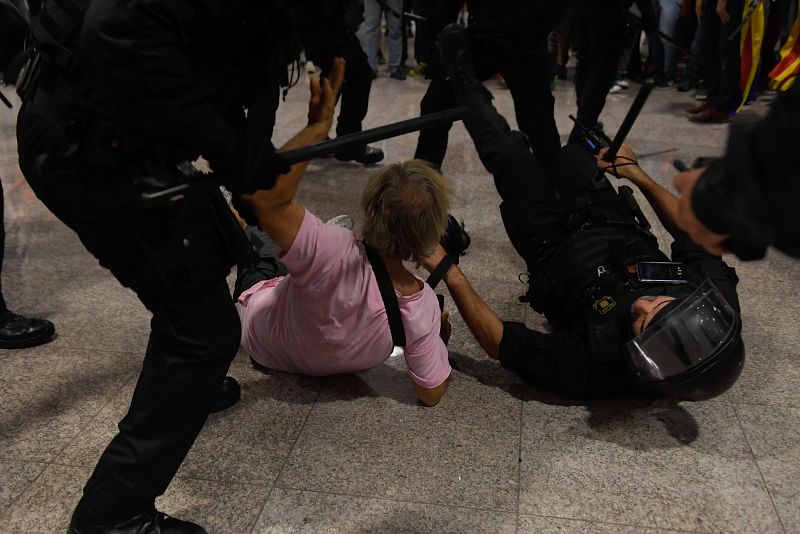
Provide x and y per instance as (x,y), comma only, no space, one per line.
(630,120)
(5,101)
(670,40)
(344,142)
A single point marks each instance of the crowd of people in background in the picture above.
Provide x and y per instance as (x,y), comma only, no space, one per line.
(722,50)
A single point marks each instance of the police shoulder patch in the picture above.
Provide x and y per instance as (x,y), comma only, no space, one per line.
(603,305)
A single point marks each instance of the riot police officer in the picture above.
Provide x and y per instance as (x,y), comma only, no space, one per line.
(510,38)
(117,95)
(626,319)
(330,31)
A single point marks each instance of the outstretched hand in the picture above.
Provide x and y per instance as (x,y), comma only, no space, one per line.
(324,94)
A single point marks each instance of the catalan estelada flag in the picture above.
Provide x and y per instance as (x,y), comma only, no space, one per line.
(751,39)
(785,73)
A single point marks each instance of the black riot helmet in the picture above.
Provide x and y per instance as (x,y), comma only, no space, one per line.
(692,351)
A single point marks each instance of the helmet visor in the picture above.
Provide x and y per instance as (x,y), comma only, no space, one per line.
(693,332)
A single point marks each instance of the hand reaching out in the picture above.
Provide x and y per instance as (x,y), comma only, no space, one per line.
(324,94)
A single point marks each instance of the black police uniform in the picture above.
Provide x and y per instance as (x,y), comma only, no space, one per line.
(577,238)
(600,34)
(753,191)
(139,87)
(508,37)
(329,31)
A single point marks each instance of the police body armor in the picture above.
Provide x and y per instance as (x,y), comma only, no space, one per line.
(54,85)
(589,283)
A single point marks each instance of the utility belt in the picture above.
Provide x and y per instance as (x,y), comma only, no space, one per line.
(611,228)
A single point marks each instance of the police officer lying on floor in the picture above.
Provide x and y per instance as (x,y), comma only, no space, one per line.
(317,307)
(613,333)
(117,96)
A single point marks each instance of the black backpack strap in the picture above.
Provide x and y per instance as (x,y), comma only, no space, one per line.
(388,295)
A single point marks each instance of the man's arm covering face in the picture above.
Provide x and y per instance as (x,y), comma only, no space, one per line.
(134,54)
(754,191)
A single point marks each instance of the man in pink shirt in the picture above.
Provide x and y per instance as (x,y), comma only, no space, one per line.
(316,308)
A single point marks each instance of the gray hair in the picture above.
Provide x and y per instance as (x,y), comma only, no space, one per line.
(406,207)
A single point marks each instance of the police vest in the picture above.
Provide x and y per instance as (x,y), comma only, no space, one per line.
(589,284)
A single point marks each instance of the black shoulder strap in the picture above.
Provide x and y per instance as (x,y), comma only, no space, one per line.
(388,295)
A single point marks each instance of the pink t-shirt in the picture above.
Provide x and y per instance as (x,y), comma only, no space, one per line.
(327,316)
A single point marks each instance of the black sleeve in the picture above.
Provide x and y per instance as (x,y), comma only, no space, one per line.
(754,191)
(707,266)
(136,56)
(560,363)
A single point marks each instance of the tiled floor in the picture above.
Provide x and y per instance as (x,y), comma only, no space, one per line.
(357,454)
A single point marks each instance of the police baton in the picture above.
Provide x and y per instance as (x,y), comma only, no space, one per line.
(630,120)
(343,142)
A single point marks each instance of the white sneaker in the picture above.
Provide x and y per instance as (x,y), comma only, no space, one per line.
(616,88)
(310,67)
(344,221)
(624,83)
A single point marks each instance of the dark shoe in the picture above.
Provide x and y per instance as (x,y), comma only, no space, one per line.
(710,116)
(398,73)
(155,522)
(18,332)
(374,74)
(454,53)
(704,105)
(368,156)
(229,394)
(685,85)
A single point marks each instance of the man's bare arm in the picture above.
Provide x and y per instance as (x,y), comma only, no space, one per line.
(277,212)
(664,203)
(481,320)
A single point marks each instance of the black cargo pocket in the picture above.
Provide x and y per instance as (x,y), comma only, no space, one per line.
(182,245)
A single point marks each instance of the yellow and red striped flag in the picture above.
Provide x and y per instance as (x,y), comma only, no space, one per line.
(785,73)
(751,39)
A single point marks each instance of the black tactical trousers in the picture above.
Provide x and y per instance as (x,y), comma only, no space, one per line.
(600,44)
(526,72)
(721,56)
(2,247)
(356,88)
(175,260)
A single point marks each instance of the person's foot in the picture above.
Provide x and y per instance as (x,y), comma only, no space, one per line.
(704,105)
(228,394)
(375,74)
(343,221)
(454,52)
(701,93)
(710,116)
(153,522)
(368,156)
(310,67)
(18,332)
(398,73)
(623,82)
(418,71)
(685,85)
(616,88)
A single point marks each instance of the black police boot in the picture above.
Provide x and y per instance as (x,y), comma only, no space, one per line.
(152,522)
(366,156)
(228,394)
(456,59)
(18,332)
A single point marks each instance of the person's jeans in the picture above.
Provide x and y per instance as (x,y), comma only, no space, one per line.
(668,20)
(372,23)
